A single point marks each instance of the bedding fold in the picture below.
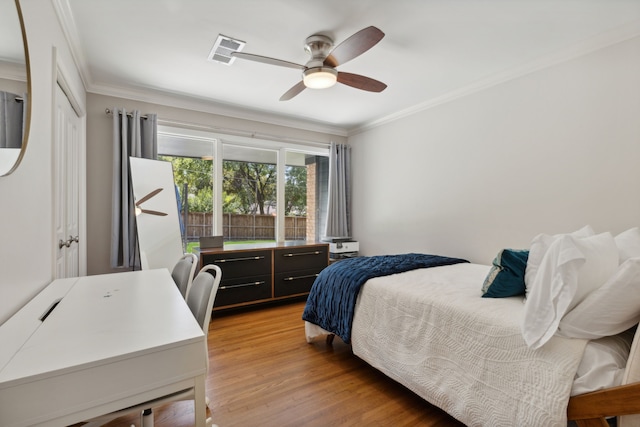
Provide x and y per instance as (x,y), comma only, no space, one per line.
(333,295)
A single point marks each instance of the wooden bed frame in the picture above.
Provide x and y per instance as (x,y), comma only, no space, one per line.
(590,409)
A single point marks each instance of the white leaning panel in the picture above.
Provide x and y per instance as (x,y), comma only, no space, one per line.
(159,237)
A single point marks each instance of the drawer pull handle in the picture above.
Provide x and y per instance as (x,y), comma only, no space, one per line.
(300,277)
(302,253)
(250,258)
(243,285)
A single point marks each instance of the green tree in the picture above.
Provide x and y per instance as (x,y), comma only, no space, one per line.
(248,187)
(295,190)
(197,176)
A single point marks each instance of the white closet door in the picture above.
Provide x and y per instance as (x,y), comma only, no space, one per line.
(66,188)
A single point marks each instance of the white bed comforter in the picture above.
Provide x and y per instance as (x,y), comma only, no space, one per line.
(429,330)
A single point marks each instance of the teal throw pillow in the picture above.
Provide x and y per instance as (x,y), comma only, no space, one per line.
(506,277)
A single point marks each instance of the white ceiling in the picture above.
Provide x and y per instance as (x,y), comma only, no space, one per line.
(433,51)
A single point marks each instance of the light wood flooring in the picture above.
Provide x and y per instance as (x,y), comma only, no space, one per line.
(262,372)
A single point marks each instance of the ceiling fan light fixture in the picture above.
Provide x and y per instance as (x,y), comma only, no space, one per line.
(320,77)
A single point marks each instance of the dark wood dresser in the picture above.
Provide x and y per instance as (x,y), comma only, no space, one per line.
(258,273)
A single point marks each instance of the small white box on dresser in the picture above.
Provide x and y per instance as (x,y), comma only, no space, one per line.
(339,250)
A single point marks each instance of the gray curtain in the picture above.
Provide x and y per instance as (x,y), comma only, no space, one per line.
(12,113)
(339,203)
(135,136)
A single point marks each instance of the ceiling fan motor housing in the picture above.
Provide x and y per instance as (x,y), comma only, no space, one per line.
(318,47)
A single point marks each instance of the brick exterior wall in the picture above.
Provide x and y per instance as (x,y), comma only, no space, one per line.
(311,202)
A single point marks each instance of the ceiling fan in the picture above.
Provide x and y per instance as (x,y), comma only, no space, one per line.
(140,210)
(320,71)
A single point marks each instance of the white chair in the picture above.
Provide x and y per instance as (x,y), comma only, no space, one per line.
(200,300)
(203,294)
(183,273)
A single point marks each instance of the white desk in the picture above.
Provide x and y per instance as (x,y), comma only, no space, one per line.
(113,341)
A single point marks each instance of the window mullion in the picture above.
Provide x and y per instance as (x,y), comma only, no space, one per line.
(280,200)
(217,189)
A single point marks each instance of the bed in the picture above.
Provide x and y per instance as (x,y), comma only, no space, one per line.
(430,330)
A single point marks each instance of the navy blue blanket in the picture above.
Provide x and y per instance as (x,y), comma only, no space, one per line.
(332,299)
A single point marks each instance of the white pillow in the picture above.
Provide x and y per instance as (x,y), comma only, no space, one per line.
(628,244)
(570,269)
(602,261)
(603,363)
(610,309)
(539,246)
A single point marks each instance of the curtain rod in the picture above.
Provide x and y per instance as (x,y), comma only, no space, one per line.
(243,133)
(109,112)
(234,132)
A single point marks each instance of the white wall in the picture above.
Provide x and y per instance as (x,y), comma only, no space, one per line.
(26,213)
(547,152)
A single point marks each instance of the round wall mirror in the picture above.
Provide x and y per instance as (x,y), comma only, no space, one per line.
(15,87)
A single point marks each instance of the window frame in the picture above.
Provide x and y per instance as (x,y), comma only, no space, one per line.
(219,140)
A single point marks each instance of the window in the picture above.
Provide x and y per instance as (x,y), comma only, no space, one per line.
(246,189)
(191,154)
(249,188)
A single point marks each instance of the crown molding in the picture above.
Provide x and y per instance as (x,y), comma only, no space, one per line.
(70,31)
(188,102)
(13,71)
(604,40)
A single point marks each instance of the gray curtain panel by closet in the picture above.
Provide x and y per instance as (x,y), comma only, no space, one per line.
(135,136)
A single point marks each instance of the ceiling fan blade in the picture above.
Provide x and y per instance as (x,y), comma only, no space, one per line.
(361,82)
(296,89)
(267,60)
(148,196)
(153,212)
(354,46)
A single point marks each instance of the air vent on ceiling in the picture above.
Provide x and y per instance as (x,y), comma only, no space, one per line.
(221,51)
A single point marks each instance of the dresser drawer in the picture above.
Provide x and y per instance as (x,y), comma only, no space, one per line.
(300,258)
(240,290)
(292,283)
(255,274)
(240,264)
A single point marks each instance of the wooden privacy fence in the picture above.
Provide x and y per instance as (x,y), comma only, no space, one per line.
(245,227)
